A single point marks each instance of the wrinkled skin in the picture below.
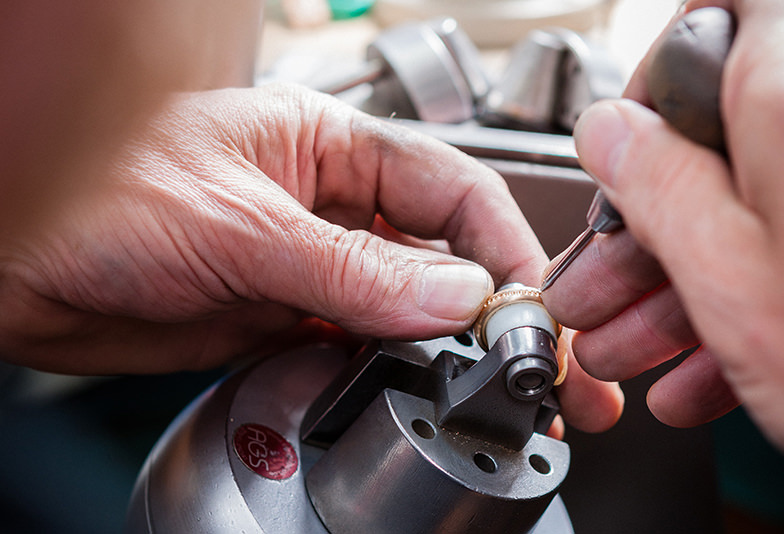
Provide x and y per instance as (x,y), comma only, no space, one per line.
(190,222)
(236,214)
(702,256)
(144,232)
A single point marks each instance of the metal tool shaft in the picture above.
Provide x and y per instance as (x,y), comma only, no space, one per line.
(684,79)
(569,256)
(368,72)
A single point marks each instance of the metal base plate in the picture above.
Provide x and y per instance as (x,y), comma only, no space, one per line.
(256,485)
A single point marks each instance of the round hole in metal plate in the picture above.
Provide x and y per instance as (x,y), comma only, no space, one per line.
(464,339)
(540,464)
(485,462)
(424,429)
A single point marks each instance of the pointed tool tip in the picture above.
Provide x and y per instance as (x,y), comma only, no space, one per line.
(553,275)
(568,257)
(548,281)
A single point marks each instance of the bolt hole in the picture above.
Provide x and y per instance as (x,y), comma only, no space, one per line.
(485,462)
(540,464)
(464,339)
(530,383)
(423,428)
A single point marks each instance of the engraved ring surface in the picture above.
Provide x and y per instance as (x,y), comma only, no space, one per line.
(509,296)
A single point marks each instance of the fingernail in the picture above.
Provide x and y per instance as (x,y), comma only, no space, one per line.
(454,291)
(602,136)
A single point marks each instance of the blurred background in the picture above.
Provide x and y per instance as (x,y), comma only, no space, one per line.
(70,447)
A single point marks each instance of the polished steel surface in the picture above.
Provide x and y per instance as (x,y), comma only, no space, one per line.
(404,366)
(466,55)
(511,145)
(422,439)
(481,402)
(552,77)
(528,90)
(429,71)
(426,70)
(396,472)
(589,74)
(195,481)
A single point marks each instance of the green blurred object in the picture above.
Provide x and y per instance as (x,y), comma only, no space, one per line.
(346,9)
(750,469)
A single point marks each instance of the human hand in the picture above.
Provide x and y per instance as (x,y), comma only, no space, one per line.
(701,258)
(237,209)
(238,213)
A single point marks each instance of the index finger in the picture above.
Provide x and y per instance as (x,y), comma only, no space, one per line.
(611,273)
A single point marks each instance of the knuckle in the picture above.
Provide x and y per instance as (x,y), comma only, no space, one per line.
(363,280)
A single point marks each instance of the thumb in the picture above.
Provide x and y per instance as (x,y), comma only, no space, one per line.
(668,189)
(678,201)
(372,286)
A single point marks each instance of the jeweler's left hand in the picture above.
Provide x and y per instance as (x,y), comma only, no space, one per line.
(240,213)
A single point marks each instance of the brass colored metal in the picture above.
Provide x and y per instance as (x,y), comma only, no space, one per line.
(563,359)
(501,299)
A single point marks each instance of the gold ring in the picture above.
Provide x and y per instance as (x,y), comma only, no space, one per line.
(501,299)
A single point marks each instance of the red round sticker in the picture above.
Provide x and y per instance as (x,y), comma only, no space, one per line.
(265,452)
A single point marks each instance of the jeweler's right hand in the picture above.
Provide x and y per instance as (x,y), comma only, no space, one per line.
(702,258)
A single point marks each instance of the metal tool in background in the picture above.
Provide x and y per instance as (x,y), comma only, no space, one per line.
(551,77)
(518,125)
(409,438)
(432,72)
(684,80)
